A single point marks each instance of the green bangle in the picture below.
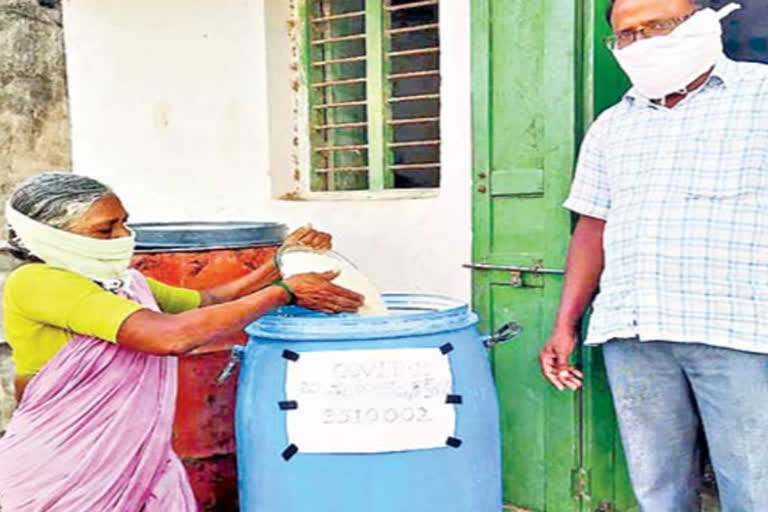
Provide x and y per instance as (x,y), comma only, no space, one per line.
(281,284)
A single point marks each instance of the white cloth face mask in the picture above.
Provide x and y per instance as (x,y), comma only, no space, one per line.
(104,261)
(663,65)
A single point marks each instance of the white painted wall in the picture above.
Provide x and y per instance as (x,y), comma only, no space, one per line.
(185,107)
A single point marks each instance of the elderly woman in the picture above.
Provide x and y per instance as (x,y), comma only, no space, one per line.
(94,346)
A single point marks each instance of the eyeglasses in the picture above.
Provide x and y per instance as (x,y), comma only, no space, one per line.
(656,28)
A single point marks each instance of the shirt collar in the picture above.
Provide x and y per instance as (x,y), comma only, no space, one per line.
(725,73)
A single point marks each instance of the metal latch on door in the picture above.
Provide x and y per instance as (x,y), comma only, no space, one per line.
(515,272)
(505,333)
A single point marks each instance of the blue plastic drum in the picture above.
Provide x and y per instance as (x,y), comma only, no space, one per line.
(459,472)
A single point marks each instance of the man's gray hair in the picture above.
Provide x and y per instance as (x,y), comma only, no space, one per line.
(55,199)
(609,11)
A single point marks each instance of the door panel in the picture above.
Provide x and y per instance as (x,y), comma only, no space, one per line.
(522,416)
(533,97)
(524,146)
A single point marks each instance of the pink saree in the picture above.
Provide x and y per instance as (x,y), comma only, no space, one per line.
(93,432)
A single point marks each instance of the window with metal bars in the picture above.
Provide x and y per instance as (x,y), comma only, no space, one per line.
(373,69)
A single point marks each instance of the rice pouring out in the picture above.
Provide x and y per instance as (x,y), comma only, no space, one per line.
(301,262)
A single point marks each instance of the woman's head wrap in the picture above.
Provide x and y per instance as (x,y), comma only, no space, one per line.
(40,214)
(53,198)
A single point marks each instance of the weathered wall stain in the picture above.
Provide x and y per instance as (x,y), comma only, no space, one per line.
(34,116)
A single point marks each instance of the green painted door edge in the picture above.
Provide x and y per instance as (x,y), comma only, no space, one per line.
(480,19)
(375,49)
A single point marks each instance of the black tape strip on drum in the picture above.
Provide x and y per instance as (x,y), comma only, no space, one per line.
(446,348)
(288,405)
(453,442)
(290,355)
(454,399)
(289,452)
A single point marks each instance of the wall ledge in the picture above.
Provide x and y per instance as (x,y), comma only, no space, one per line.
(363,195)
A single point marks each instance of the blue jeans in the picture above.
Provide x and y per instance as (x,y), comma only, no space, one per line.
(663,393)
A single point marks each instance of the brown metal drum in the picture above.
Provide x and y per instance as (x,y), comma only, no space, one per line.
(203,432)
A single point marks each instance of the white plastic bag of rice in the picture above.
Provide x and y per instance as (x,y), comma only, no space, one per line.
(294,260)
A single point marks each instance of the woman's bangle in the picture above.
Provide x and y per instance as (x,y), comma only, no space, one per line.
(291,296)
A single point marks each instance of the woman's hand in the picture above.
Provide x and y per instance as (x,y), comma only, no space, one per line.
(309,237)
(316,291)
(267,273)
(165,334)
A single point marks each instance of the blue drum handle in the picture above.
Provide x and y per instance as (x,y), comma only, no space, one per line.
(505,333)
(234,358)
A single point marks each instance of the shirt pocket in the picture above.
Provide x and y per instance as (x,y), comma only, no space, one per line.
(724,163)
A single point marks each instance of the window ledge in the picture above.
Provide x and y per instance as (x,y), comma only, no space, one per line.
(364,195)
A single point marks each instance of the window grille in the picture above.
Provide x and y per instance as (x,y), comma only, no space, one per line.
(373,70)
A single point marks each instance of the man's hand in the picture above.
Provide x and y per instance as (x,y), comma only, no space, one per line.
(309,237)
(554,360)
(584,264)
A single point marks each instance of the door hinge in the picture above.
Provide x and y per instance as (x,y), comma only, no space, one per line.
(580,484)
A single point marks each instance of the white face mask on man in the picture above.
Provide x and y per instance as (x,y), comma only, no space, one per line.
(663,65)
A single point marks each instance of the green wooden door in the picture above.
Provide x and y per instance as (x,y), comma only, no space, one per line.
(533,97)
(524,144)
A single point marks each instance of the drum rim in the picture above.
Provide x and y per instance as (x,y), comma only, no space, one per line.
(436,314)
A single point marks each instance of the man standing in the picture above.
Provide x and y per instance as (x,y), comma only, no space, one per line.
(672,192)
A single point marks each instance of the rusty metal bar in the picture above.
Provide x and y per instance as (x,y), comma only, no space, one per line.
(417,51)
(514,268)
(341,125)
(414,74)
(406,30)
(344,16)
(412,5)
(332,83)
(353,37)
(414,143)
(419,97)
(405,167)
(414,120)
(328,62)
(343,169)
(351,147)
(342,104)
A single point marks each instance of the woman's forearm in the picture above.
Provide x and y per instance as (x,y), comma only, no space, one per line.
(246,285)
(164,334)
